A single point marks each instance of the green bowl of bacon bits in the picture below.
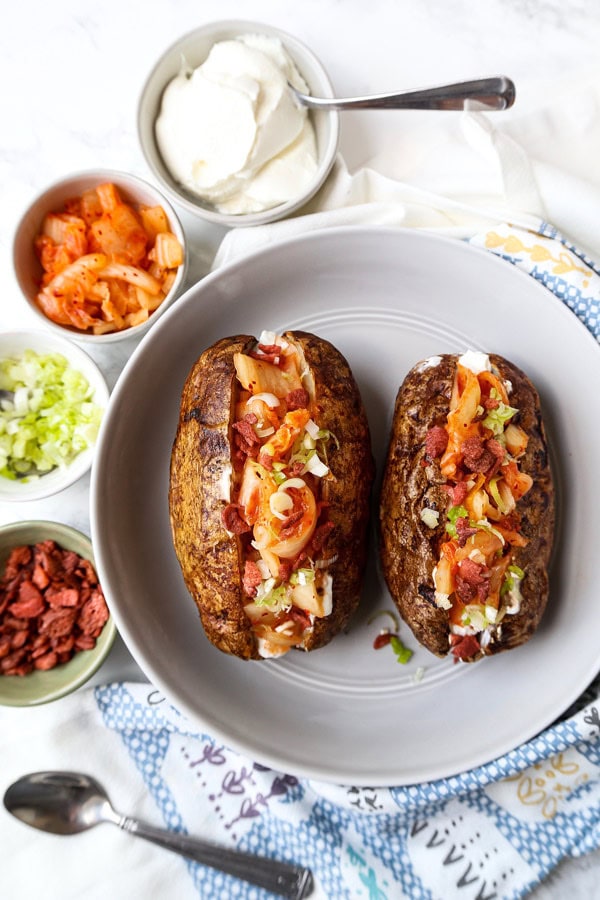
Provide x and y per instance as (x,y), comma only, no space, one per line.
(55,627)
(52,398)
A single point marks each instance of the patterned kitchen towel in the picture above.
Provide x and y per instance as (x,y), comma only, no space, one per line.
(552,260)
(489,834)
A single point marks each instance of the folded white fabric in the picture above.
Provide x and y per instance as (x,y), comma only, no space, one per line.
(537,166)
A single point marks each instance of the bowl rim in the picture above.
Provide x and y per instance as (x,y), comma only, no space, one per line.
(127,181)
(52,342)
(104,642)
(185,198)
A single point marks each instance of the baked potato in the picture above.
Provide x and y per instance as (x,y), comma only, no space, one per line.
(466,512)
(270,482)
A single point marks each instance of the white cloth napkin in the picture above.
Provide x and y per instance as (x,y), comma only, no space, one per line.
(491,833)
(538,165)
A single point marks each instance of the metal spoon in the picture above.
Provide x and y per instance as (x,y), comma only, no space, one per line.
(482,94)
(69,802)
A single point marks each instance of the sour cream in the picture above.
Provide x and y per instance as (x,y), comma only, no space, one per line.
(231,132)
(476,361)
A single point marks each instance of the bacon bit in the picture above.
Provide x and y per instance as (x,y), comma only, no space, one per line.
(58,622)
(436,442)
(30,603)
(92,619)
(491,403)
(18,559)
(464,646)
(297,615)
(290,523)
(382,640)
(270,353)
(46,661)
(40,577)
(84,642)
(463,530)
(251,578)
(71,562)
(285,570)
(477,456)
(62,596)
(50,600)
(233,520)
(320,536)
(243,450)
(458,492)
(472,580)
(245,428)
(266,461)
(19,639)
(297,399)
(300,559)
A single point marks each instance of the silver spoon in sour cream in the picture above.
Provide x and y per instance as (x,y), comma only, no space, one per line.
(495,93)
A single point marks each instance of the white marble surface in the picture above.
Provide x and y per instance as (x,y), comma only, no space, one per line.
(72,71)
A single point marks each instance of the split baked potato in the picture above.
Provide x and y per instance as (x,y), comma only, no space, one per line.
(270,482)
(467,506)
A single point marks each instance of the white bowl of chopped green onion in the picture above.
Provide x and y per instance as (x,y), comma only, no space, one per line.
(52,399)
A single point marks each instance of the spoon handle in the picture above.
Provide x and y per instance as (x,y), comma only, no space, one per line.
(285,879)
(493,93)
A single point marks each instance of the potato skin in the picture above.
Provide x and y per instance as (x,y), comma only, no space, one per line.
(411,481)
(211,558)
(208,556)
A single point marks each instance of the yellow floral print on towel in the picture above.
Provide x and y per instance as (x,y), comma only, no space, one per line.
(546,788)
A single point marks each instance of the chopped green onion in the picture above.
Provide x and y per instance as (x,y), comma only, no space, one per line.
(496,419)
(512,579)
(275,597)
(51,417)
(302,576)
(403,654)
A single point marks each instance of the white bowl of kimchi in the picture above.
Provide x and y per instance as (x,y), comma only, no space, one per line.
(99,255)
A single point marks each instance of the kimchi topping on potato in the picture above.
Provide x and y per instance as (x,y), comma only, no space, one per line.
(279,462)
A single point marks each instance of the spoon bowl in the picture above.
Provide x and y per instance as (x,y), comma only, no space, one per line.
(495,93)
(59,802)
(71,802)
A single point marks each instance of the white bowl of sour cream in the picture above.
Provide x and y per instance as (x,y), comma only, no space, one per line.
(221,131)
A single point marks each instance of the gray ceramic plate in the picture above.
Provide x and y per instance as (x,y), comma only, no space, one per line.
(387,298)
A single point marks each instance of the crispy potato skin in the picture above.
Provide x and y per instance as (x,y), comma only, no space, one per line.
(210,558)
(410,482)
